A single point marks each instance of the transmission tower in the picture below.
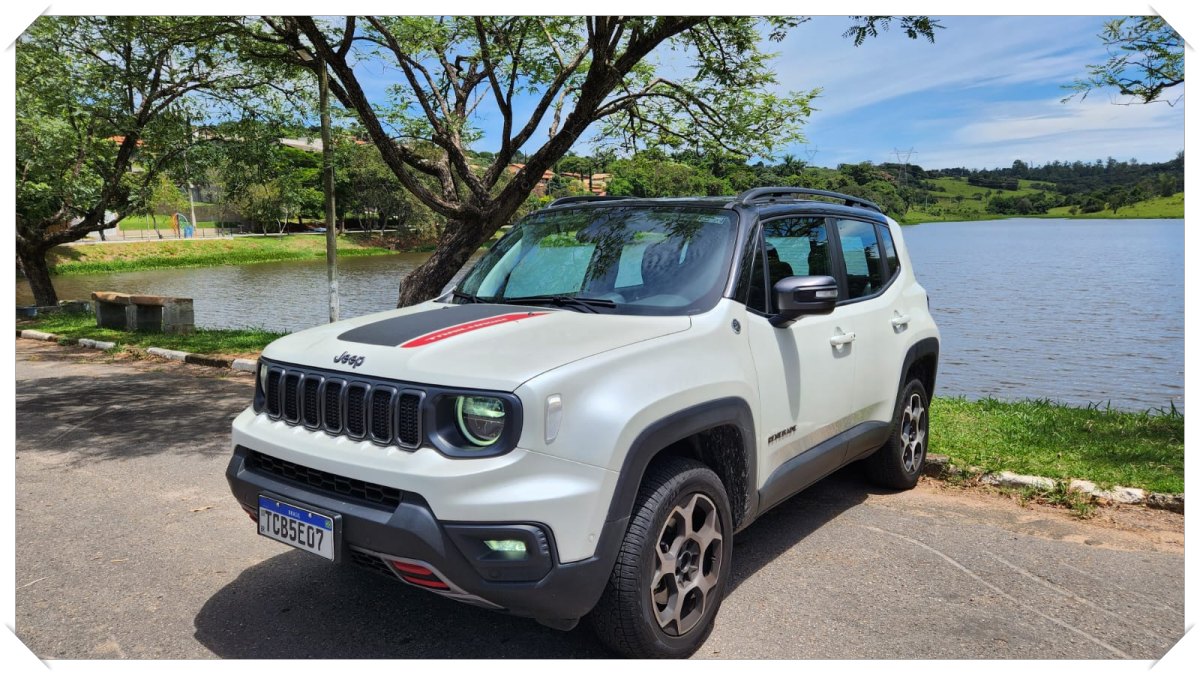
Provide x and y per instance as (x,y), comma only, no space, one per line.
(902,157)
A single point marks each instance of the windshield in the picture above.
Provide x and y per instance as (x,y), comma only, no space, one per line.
(630,260)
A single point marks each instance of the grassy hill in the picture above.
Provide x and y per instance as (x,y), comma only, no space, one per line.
(1157,207)
(954,199)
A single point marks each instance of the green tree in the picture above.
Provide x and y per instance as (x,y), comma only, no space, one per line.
(102,108)
(165,198)
(581,72)
(1145,59)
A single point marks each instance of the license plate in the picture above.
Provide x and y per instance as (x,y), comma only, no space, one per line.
(296,526)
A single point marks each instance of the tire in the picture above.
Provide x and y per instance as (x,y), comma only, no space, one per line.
(629,619)
(898,464)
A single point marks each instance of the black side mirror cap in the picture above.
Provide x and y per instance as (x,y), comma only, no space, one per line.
(799,296)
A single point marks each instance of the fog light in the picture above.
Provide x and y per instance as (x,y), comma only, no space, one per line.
(506,545)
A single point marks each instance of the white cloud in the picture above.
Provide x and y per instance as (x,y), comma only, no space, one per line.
(1040,119)
(1048,130)
(970,52)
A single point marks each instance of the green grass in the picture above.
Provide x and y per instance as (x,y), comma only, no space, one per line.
(125,257)
(202,341)
(134,223)
(1043,438)
(1155,207)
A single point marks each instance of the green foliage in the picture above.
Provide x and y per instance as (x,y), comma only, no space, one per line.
(203,341)
(1044,438)
(1145,59)
(129,257)
(647,176)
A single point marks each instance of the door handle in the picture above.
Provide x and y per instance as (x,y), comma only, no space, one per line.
(900,320)
(842,339)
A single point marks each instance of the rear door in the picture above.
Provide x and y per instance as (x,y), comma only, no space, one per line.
(804,381)
(872,308)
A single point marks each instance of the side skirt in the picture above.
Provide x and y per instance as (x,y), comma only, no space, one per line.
(821,460)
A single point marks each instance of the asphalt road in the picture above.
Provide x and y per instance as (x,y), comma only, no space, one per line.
(128,545)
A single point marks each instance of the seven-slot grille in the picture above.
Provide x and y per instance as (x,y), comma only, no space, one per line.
(360,409)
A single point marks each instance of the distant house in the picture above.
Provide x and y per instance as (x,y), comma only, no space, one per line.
(542,185)
(597,183)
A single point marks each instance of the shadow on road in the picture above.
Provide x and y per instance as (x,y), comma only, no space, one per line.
(295,605)
(126,416)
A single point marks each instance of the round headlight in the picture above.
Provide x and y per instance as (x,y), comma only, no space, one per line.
(480,418)
(262,375)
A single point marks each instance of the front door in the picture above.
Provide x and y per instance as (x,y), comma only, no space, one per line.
(805,371)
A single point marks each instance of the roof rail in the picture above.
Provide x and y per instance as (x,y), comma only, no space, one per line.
(579,199)
(759,193)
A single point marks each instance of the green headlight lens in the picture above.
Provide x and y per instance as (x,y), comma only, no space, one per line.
(480,418)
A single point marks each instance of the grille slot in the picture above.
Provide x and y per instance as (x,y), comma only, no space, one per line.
(322,481)
(291,397)
(311,388)
(361,408)
(356,409)
(381,414)
(273,398)
(333,406)
(408,426)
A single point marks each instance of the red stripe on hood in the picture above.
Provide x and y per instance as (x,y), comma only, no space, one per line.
(461,328)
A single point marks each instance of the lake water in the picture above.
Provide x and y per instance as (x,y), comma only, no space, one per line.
(1074,310)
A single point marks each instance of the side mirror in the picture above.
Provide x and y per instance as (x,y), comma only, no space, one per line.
(798,296)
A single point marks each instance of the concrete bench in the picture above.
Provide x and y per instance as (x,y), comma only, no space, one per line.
(156,313)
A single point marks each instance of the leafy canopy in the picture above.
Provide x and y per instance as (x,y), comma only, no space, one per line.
(1145,59)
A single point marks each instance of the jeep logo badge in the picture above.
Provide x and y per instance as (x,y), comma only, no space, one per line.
(350,359)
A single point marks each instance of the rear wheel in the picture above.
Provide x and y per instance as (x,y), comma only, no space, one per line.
(673,568)
(898,464)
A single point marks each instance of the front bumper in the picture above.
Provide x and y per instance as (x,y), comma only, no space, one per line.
(380,525)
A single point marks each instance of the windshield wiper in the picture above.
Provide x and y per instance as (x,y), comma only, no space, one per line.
(574,302)
(466,296)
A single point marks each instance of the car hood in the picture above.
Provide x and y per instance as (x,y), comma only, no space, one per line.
(482,346)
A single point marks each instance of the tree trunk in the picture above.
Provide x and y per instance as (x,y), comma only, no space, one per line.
(154,223)
(459,240)
(37,272)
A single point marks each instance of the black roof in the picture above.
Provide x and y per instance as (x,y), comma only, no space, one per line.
(765,201)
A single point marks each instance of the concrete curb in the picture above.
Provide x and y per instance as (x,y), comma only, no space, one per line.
(242,365)
(939,466)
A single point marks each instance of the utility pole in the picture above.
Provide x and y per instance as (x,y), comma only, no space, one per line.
(327,175)
(188,175)
(330,210)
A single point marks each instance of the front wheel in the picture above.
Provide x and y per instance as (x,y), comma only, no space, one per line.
(898,464)
(674,565)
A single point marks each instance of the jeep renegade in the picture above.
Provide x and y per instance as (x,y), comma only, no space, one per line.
(616,388)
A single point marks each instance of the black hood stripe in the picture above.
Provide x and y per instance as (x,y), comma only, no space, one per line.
(400,329)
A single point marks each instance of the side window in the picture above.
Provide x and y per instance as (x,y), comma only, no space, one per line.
(860,249)
(796,247)
(889,250)
(750,287)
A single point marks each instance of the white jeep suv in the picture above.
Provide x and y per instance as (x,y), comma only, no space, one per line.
(614,390)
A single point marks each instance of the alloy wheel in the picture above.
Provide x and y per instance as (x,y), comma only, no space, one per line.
(687,565)
(914,426)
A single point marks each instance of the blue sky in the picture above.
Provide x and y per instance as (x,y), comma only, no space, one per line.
(986,93)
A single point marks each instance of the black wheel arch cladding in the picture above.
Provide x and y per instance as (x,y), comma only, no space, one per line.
(709,429)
